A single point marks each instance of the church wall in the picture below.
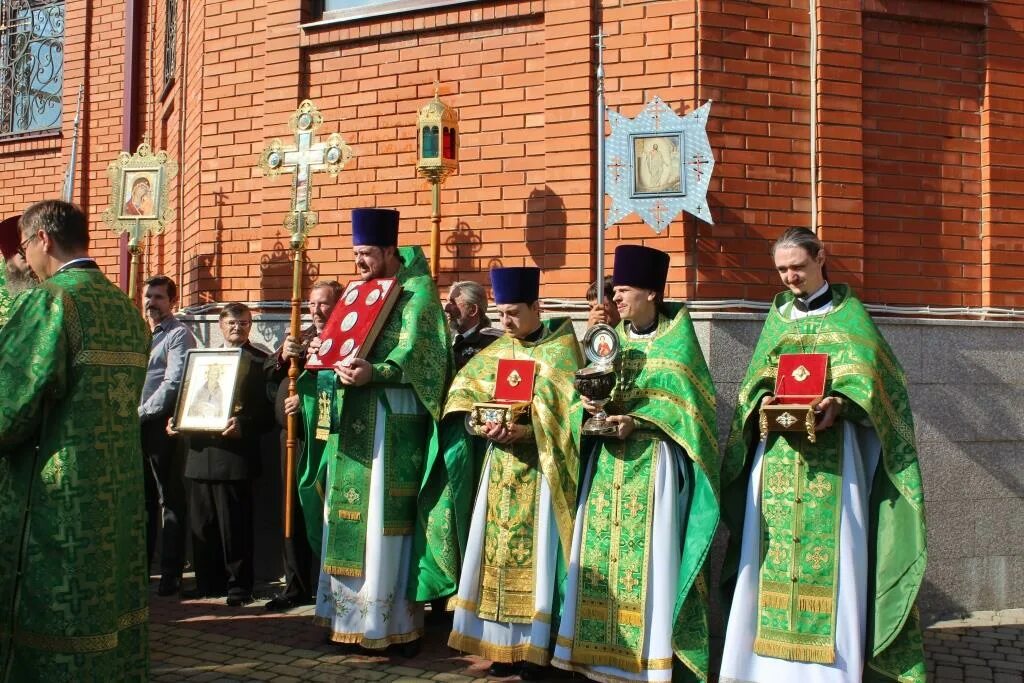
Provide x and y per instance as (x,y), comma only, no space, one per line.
(920,142)
(922,160)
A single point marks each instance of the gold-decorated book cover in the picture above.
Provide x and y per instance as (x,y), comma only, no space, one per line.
(355,322)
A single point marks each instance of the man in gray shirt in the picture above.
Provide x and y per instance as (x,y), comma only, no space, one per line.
(165,487)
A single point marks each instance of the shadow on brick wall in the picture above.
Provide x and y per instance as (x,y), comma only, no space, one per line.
(545,228)
(276,273)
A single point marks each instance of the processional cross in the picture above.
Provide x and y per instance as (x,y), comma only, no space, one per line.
(302,161)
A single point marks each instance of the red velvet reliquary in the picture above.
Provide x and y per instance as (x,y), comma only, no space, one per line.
(799,388)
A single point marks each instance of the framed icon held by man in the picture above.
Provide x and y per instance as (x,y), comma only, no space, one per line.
(209,388)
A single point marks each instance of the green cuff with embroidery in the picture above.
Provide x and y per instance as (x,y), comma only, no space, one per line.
(386,373)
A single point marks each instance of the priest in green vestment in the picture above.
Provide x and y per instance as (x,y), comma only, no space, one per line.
(827,538)
(507,605)
(636,605)
(73,598)
(379,416)
(15,275)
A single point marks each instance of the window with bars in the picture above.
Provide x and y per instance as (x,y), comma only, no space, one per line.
(170,40)
(31,65)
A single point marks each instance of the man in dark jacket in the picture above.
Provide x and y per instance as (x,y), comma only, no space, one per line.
(466,312)
(298,556)
(221,468)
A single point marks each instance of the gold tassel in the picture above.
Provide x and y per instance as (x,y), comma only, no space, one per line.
(336,570)
(811,603)
(817,654)
(774,600)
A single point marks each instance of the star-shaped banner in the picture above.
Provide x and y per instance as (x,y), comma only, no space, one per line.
(658,164)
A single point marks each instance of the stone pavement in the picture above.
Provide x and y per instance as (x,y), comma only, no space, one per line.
(205,640)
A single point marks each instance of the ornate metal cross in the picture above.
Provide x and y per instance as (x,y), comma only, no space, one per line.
(302,161)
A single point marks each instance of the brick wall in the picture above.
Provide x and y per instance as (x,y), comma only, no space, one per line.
(920,142)
(922,195)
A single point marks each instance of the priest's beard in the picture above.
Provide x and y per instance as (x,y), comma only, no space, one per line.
(19,281)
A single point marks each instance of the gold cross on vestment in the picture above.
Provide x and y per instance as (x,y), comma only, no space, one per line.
(630,582)
(302,161)
(595,576)
(820,486)
(600,504)
(520,552)
(818,558)
(634,506)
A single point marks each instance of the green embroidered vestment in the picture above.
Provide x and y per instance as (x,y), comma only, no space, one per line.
(797,621)
(552,452)
(72,364)
(664,383)
(411,351)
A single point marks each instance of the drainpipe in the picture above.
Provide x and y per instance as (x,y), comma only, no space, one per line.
(813,141)
(129,122)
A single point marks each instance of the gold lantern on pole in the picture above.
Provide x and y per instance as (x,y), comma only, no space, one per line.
(437,144)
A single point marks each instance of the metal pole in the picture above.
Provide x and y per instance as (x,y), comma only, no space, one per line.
(69,177)
(133,270)
(599,208)
(292,442)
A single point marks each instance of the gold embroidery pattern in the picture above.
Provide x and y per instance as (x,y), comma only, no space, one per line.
(508,567)
(615,552)
(111,358)
(81,644)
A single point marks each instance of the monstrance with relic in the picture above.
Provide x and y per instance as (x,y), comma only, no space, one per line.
(302,160)
(139,188)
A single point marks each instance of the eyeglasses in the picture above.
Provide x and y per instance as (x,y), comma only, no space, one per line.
(238,323)
(21,247)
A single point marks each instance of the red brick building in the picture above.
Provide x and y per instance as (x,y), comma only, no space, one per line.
(919,134)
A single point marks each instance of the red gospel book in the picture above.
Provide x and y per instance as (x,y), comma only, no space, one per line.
(514,381)
(355,322)
(799,387)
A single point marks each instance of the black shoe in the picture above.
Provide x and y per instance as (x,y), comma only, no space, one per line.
(410,649)
(502,670)
(169,585)
(281,603)
(239,599)
(529,671)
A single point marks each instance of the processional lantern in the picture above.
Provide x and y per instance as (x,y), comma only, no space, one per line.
(437,135)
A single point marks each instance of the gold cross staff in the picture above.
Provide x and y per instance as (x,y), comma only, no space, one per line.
(302,161)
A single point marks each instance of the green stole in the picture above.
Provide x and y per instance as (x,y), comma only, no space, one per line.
(411,351)
(664,383)
(315,390)
(801,495)
(555,419)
